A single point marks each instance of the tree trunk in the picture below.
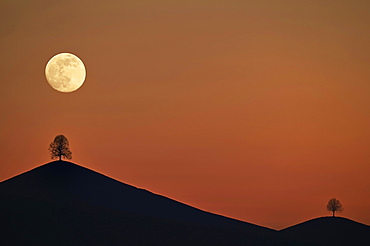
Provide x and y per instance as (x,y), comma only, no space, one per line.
(333,213)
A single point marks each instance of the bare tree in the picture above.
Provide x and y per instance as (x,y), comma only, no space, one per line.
(60,148)
(334,205)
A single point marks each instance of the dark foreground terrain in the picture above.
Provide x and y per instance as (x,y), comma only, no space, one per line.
(61,203)
(328,231)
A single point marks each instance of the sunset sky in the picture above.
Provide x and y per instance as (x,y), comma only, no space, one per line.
(256,110)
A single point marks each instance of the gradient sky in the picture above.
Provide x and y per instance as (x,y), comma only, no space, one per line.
(257,110)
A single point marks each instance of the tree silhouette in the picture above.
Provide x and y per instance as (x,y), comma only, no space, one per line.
(60,148)
(334,205)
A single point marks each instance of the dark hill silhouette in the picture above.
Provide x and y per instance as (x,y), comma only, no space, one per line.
(329,231)
(65,182)
(29,222)
(61,203)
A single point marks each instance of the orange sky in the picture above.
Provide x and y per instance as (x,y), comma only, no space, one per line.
(257,110)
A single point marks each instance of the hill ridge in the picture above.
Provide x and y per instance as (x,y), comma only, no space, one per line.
(64,181)
(328,231)
(324,217)
(104,211)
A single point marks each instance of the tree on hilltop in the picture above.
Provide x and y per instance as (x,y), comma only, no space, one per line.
(334,205)
(60,148)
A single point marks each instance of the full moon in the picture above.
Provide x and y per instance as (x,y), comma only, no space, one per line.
(65,72)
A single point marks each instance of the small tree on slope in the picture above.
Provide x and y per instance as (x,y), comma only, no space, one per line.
(334,205)
(60,148)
